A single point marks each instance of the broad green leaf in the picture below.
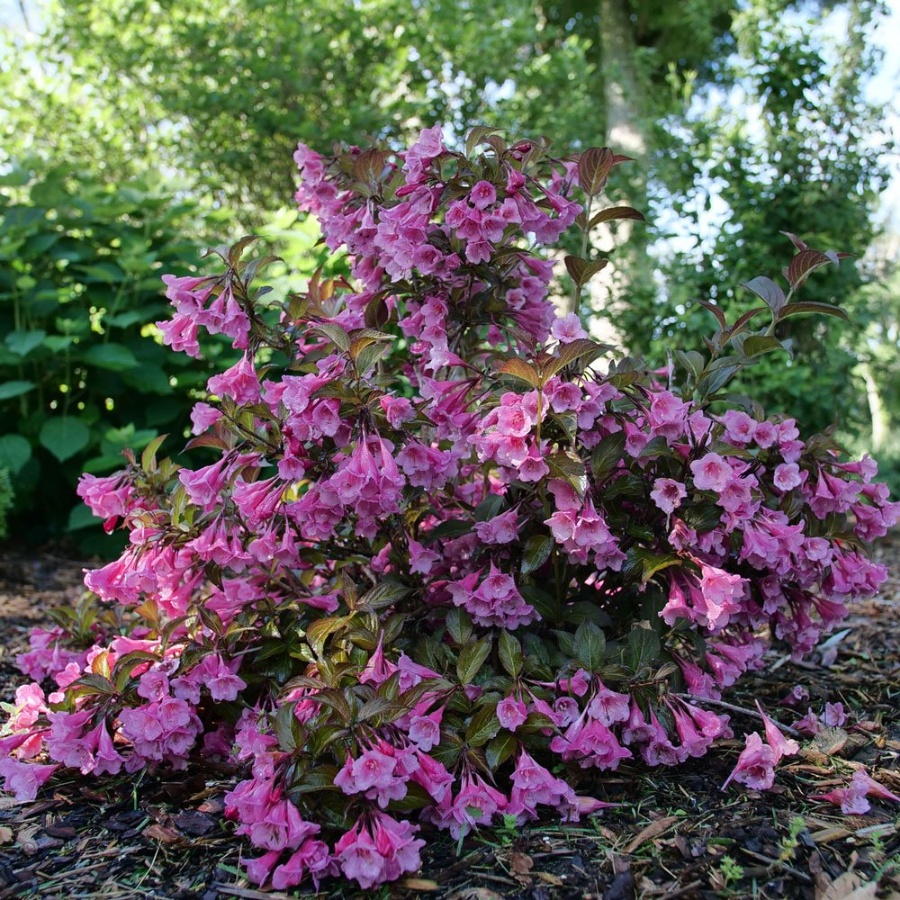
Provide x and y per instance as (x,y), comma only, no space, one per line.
(483,726)
(384,594)
(758,344)
(64,436)
(537,551)
(805,262)
(471,659)
(568,464)
(15,389)
(510,651)
(489,507)
(582,270)
(650,563)
(543,602)
(767,291)
(642,647)
(459,625)
(56,342)
(114,357)
(337,335)
(582,349)
(500,749)
(15,451)
(589,646)
(692,361)
(607,454)
(22,342)
(108,273)
(81,517)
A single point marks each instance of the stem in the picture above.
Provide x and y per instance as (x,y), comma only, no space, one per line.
(721,704)
(576,300)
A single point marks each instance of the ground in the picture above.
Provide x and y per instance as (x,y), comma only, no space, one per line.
(676,834)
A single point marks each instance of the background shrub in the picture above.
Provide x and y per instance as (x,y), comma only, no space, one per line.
(83,372)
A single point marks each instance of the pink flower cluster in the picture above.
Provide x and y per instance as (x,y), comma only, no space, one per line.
(437,556)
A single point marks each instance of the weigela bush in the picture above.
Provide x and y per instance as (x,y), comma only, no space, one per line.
(438,555)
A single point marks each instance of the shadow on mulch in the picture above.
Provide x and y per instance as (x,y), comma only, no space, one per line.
(676,835)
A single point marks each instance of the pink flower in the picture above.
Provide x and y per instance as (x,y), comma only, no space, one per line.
(240,383)
(667,494)
(24,780)
(834,715)
(379,851)
(511,713)
(311,859)
(781,746)
(373,774)
(475,804)
(853,798)
(755,766)
(425,731)
(711,473)
(501,529)
(568,328)
(787,477)
(482,195)
(609,707)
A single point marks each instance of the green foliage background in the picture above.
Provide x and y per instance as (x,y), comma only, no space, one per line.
(136,132)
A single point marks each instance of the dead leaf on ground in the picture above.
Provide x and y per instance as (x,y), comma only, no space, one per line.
(420,884)
(6,834)
(161,833)
(849,886)
(27,839)
(520,863)
(654,829)
(475,893)
(830,741)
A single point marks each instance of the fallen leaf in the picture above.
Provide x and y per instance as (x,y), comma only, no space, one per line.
(6,834)
(827,835)
(26,839)
(420,884)
(520,863)
(830,741)
(475,893)
(194,823)
(654,829)
(849,886)
(549,878)
(161,833)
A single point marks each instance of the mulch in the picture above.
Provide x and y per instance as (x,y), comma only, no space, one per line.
(676,834)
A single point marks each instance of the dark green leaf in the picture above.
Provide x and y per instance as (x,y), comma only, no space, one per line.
(471,659)
(510,651)
(483,726)
(113,357)
(607,454)
(589,646)
(15,389)
(536,552)
(642,647)
(767,291)
(64,436)
(23,342)
(500,749)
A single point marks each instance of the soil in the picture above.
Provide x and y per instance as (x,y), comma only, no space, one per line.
(675,835)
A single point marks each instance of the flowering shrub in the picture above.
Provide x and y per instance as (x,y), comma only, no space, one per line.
(438,553)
